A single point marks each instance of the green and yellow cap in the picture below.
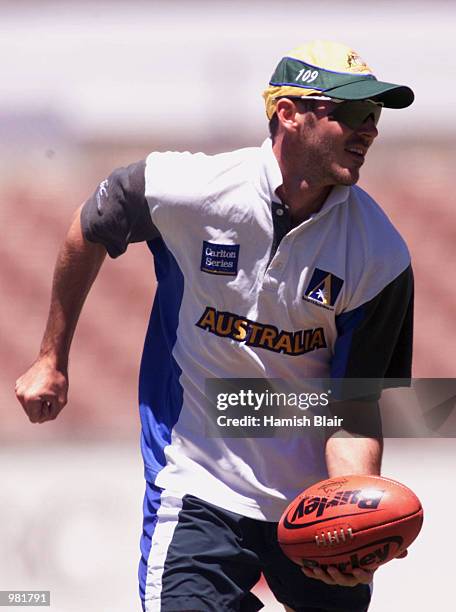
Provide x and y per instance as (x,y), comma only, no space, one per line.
(333,70)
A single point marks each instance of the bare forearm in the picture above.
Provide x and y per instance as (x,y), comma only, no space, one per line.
(76,268)
(348,454)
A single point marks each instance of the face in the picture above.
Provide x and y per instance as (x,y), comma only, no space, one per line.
(330,152)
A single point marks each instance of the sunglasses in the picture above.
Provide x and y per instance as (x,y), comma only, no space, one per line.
(352,113)
(355,113)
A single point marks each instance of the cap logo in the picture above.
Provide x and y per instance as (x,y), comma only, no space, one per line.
(355,61)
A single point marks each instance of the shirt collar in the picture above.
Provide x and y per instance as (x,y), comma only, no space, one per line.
(338,195)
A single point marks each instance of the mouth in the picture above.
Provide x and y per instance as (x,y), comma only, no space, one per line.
(357,152)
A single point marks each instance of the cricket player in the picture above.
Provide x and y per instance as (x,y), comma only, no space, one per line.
(271,263)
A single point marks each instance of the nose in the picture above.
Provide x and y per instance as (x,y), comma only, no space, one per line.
(368,128)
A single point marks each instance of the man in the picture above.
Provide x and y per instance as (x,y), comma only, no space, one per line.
(270,264)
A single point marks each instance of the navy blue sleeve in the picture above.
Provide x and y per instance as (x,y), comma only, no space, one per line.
(117,214)
(374,344)
(375,339)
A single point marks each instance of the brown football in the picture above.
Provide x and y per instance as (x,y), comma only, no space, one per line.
(350,522)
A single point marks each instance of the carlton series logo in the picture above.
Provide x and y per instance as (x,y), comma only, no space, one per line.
(220,258)
(262,335)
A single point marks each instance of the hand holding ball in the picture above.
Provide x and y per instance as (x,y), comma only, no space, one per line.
(350,522)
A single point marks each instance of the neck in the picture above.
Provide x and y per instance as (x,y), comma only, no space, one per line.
(303,194)
(302,199)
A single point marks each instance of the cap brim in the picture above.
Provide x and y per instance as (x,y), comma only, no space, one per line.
(391,95)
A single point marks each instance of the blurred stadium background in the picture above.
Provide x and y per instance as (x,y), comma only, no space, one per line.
(89,86)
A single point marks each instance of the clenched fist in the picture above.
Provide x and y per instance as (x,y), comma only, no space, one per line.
(42,391)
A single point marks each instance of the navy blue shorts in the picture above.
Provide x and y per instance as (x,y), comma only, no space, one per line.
(198,557)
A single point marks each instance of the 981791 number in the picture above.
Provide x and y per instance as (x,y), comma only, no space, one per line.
(24,598)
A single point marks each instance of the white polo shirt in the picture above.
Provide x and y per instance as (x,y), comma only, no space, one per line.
(237,299)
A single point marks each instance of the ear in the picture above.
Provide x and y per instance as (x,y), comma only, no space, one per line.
(286,111)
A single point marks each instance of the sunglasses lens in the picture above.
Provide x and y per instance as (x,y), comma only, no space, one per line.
(354,114)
